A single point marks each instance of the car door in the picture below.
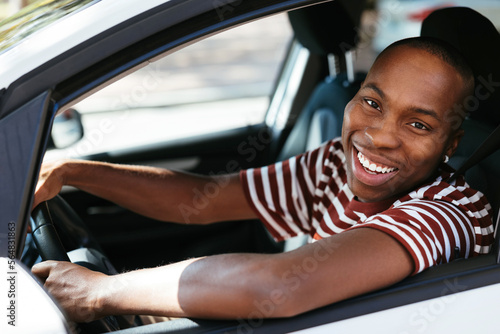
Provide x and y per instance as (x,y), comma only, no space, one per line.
(18,157)
(201,109)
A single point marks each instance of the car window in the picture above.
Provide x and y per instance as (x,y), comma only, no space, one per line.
(387,21)
(220,83)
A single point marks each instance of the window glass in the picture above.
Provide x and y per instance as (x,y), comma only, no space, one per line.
(386,21)
(223,82)
(34,17)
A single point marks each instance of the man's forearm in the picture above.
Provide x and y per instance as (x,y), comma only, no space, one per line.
(219,287)
(159,193)
(242,286)
(236,285)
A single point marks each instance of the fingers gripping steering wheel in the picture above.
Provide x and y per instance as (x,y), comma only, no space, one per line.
(57,228)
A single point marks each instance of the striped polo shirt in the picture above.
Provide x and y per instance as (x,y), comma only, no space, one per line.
(308,194)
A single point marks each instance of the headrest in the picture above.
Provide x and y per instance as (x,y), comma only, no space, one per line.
(479,41)
(330,27)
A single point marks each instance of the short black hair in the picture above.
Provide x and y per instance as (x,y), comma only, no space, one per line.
(444,51)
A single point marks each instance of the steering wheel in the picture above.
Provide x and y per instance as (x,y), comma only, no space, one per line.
(57,228)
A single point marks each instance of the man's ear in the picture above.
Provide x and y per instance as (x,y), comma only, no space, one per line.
(454,141)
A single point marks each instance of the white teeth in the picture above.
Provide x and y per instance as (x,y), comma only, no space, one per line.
(372,166)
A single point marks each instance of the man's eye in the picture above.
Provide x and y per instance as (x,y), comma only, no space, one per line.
(372,104)
(419,126)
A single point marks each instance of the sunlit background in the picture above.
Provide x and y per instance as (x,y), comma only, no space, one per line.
(9,7)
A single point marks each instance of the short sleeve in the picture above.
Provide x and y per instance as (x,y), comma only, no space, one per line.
(282,194)
(433,232)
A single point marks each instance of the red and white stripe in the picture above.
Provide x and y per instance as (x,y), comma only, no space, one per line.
(308,194)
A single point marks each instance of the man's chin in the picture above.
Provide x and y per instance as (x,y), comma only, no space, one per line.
(369,194)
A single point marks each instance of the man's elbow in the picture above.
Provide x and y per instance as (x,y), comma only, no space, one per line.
(277,299)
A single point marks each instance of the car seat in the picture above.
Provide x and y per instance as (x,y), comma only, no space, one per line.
(329,30)
(479,41)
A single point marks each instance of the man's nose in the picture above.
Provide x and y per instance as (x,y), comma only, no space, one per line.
(384,134)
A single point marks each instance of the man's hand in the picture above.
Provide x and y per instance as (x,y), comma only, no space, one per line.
(77,289)
(50,182)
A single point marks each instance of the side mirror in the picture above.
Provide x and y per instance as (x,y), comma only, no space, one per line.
(66,130)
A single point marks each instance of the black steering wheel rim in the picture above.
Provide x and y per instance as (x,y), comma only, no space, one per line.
(45,236)
(55,218)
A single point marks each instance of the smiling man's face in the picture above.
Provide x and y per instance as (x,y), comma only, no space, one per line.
(398,127)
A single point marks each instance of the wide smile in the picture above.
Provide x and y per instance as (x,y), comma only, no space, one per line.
(370,172)
(372,167)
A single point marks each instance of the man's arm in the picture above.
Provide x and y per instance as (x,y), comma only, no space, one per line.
(236,285)
(153,192)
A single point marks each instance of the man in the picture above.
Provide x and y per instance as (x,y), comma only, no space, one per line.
(375,202)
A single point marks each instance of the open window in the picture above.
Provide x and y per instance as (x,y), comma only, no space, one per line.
(221,83)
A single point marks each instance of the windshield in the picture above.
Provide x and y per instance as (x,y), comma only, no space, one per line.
(34,17)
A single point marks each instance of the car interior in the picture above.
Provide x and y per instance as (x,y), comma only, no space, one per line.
(321,117)
(330,31)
